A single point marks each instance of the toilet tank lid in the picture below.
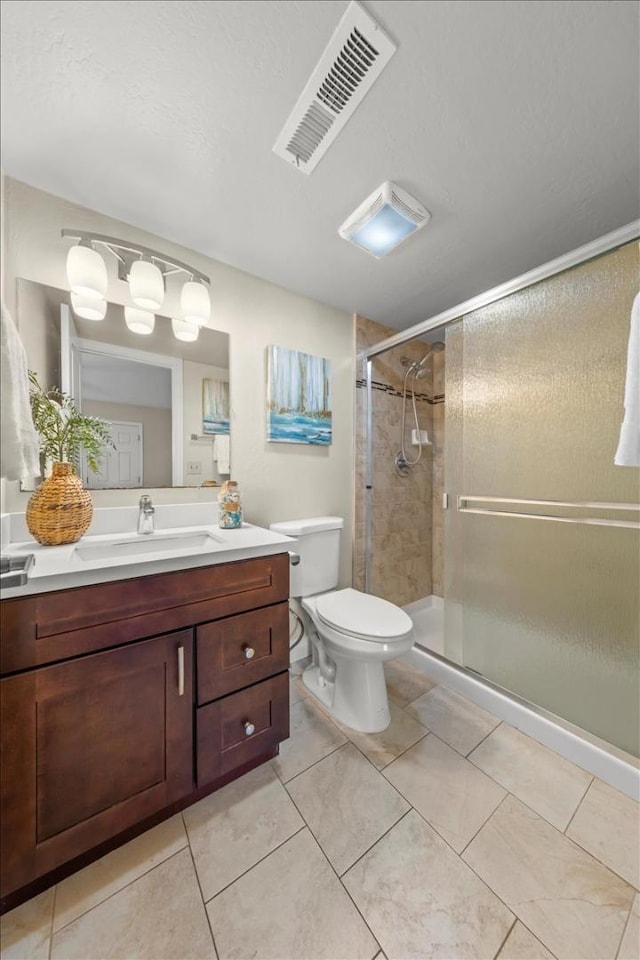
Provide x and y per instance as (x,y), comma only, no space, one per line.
(298,528)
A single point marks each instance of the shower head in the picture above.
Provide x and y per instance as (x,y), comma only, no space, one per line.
(419,367)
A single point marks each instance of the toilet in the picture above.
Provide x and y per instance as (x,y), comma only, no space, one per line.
(352,633)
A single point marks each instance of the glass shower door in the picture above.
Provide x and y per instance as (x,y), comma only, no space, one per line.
(542,539)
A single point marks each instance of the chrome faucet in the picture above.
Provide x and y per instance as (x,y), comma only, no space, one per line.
(145,516)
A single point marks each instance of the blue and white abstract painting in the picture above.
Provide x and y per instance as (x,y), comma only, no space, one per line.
(215,406)
(298,397)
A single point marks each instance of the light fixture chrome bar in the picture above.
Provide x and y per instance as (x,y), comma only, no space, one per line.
(175,266)
(588,251)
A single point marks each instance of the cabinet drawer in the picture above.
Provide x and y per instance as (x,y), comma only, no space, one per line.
(224,734)
(237,651)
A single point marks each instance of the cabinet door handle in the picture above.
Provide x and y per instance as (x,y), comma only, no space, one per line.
(249,728)
(180,670)
(249,652)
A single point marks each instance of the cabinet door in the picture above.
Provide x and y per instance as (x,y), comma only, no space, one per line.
(90,747)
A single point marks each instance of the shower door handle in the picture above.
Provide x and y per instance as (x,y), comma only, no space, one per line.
(521,513)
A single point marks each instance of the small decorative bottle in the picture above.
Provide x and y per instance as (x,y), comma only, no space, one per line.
(230,505)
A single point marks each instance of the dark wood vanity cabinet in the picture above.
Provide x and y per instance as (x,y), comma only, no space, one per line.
(123,728)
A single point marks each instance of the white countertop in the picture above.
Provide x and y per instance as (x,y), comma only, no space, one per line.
(60,568)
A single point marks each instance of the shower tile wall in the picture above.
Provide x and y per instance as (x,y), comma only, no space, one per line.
(403,507)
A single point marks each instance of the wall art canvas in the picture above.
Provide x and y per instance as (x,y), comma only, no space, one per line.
(215,406)
(298,397)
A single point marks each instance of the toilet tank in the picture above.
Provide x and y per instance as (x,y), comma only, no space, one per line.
(318,546)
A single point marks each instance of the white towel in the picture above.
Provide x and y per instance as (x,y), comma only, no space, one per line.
(19,446)
(628,452)
(221,452)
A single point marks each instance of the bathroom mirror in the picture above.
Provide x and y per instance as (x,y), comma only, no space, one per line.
(166,399)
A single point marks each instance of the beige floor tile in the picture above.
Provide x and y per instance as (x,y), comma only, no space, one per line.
(630,946)
(292,906)
(297,668)
(363,805)
(453,795)
(453,718)
(313,736)
(405,683)
(607,824)
(422,901)
(577,907)
(25,931)
(382,748)
(522,945)
(549,784)
(160,915)
(83,890)
(235,827)
(296,690)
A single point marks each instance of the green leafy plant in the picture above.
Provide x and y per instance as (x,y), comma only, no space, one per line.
(64,431)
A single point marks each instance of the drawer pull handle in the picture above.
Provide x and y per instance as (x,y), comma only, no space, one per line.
(180,671)
(249,652)
(249,728)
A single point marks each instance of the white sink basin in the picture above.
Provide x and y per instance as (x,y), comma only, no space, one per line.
(145,544)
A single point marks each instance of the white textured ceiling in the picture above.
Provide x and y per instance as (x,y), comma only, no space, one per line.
(515,123)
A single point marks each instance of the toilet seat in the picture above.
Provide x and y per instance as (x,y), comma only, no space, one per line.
(362,615)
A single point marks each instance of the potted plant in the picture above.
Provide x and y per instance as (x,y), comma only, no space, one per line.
(60,510)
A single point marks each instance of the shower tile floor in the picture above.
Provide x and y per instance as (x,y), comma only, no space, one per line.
(449,835)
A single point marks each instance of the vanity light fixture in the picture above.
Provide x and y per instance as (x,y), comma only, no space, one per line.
(145,270)
(195,303)
(146,285)
(139,321)
(87,308)
(384,220)
(186,330)
(86,272)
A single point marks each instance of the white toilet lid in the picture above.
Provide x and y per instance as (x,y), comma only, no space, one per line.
(362,615)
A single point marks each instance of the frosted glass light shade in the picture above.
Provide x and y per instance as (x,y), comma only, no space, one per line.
(88,308)
(87,273)
(195,303)
(146,285)
(139,321)
(186,330)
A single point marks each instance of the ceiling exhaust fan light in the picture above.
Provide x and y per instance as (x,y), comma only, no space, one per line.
(186,330)
(88,308)
(195,303)
(384,220)
(146,285)
(384,231)
(139,321)
(87,273)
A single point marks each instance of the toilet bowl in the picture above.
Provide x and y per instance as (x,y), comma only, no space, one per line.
(355,634)
(352,633)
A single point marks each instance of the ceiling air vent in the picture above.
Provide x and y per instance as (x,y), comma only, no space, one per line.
(355,57)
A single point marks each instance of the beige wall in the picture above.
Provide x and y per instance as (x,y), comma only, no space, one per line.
(156,436)
(406,558)
(279,481)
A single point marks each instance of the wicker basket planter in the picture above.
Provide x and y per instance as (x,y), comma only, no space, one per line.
(60,510)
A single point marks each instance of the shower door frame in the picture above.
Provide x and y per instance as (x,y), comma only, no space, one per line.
(589,251)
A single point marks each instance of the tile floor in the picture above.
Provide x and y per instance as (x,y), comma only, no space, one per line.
(450,835)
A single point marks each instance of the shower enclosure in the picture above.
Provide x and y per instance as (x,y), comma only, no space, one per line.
(514,541)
